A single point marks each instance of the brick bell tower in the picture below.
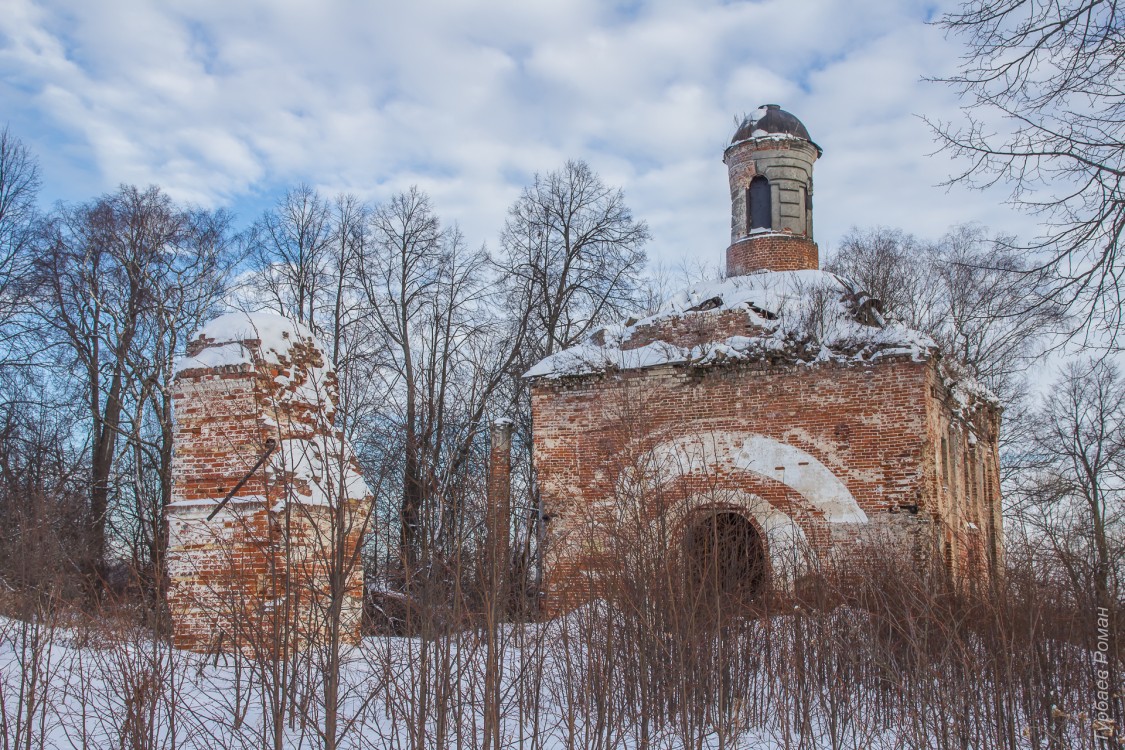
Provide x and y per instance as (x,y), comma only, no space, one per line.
(770,163)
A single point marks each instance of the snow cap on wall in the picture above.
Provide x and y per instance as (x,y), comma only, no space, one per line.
(297,395)
(804,316)
(239,338)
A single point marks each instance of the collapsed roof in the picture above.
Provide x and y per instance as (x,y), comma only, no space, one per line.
(798,316)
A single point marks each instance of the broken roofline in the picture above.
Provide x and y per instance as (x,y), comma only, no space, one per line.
(803,317)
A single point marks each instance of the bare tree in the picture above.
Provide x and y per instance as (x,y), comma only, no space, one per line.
(892,266)
(989,324)
(187,286)
(968,290)
(431,306)
(19,188)
(350,235)
(573,254)
(118,282)
(305,255)
(571,259)
(291,245)
(1068,508)
(401,280)
(1076,488)
(41,491)
(1044,114)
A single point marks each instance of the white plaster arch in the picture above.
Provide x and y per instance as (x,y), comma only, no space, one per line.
(724,451)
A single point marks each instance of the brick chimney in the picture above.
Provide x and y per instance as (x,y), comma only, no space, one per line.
(499,513)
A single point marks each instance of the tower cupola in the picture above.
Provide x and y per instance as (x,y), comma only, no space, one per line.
(770,164)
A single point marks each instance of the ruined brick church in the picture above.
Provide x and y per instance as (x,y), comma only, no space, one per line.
(780,407)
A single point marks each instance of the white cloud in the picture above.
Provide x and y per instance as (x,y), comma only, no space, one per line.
(222,103)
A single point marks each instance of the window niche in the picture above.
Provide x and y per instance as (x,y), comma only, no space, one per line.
(759,214)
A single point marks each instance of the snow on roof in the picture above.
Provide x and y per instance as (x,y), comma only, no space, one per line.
(269,328)
(806,316)
(968,393)
(316,463)
(226,338)
(761,135)
(221,355)
(276,334)
(249,339)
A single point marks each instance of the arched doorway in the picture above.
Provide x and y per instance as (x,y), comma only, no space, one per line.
(725,555)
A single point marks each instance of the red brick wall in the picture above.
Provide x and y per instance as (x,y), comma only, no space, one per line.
(772,252)
(965,482)
(257,576)
(693,329)
(875,427)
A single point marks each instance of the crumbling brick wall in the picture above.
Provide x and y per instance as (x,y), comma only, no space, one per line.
(780,394)
(261,575)
(830,455)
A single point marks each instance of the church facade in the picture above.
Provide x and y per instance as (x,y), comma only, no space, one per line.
(778,414)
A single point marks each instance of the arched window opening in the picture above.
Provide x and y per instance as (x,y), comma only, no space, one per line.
(726,556)
(760,215)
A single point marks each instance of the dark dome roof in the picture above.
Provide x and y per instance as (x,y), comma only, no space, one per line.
(771,119)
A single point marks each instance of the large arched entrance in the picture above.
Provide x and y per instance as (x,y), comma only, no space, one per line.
(725,555)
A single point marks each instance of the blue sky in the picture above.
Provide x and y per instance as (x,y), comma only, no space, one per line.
(228,103)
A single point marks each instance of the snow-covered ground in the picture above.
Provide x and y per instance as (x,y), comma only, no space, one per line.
(577,682)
